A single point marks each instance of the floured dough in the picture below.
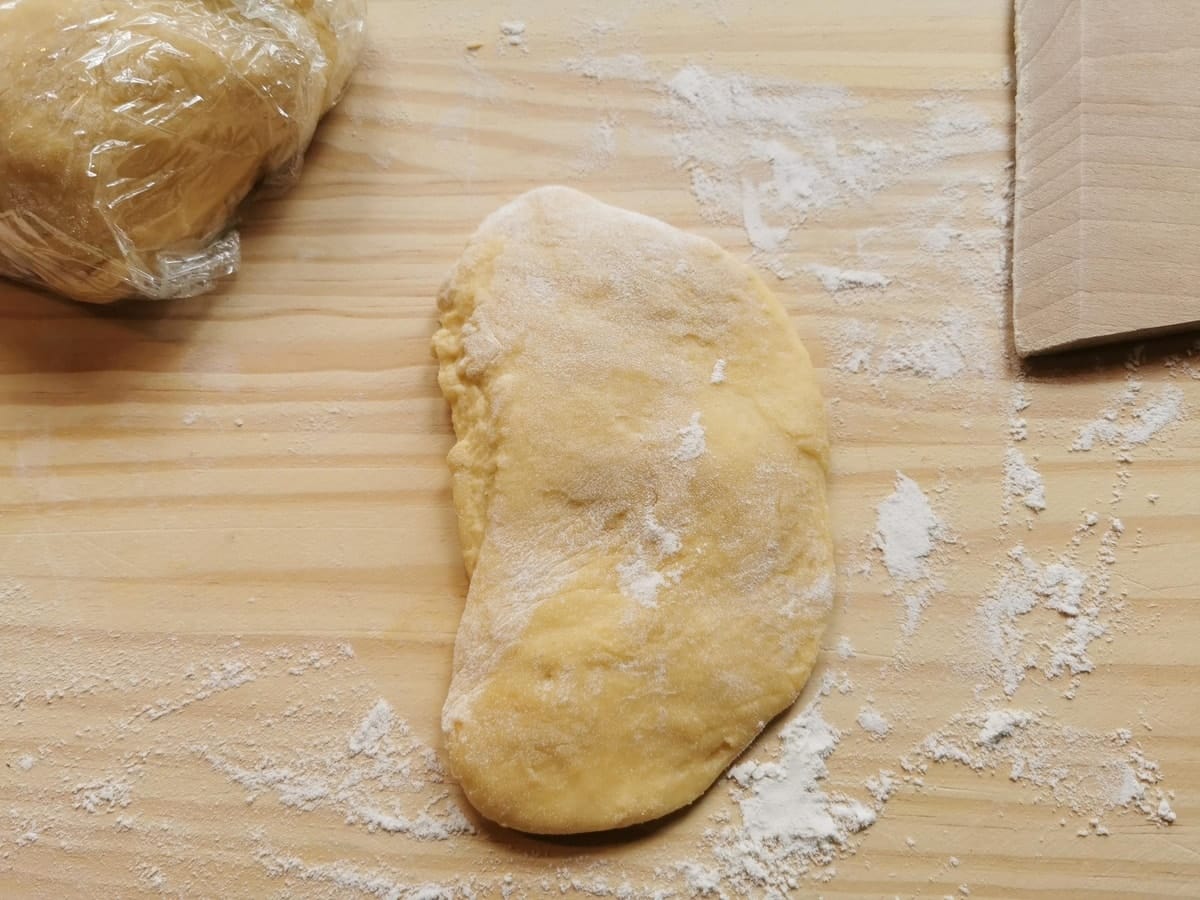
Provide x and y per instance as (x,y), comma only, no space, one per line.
(640,483)
(130,130)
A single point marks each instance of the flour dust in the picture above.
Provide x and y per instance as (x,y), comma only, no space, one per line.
(908,304)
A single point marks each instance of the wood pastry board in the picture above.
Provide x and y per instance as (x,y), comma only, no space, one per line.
(1108,159)
(225,523)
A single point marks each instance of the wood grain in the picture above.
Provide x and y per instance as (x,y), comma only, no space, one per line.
(207,506)
(1108,155)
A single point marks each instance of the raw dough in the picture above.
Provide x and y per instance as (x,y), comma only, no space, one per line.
(130,130)
(640,483)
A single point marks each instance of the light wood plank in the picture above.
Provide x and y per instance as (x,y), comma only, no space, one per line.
(241,484)
(1108,162)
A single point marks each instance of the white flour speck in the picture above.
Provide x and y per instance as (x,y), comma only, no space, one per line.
(788,821)
(1021,480)
(1009,637)
(691,440)
(372,730)
(836,280)
(872,722)
(379,777)
(701,880)
(640,582)
(101,796)
(906,530)
(667,541)
(1000,723)
(1142,424)
(845,650)
(1156,415)
(1164,812)
(513,33)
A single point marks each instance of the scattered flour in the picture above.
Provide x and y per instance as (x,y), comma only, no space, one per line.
(1087,773)
(630,67)
(906,530)
(1022,481)
(701,880)
(872,722)
(1124,426)
(369,736)
(513,34)
(769,156)
(103,796)
(1157,414)
(939,351)
(1164,812)
(151,877)
(788,822)
(600,149)
(1018,427)
(915,603)
(667,541)
(761,235)
(342,878)
(882,786)
(1078,599)
(952,346)
(1000,723)
(691,440)
(853,347)
(380,777)
(640,582)
(836,280)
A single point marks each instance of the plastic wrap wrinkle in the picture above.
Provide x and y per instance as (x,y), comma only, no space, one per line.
(132,130)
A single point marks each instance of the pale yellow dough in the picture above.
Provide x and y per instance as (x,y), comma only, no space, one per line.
(640,483)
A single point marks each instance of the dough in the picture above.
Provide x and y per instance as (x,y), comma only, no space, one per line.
(130,130)
(640,483)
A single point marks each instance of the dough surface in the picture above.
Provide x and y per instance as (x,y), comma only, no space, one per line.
(130,130)
(640,482)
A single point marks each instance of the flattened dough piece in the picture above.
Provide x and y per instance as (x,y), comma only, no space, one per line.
(640,483)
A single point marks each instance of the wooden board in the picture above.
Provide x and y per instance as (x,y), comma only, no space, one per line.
(225,523)
(1108,162)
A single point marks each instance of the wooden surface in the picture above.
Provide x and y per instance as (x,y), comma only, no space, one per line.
(225,523)
(1108,157)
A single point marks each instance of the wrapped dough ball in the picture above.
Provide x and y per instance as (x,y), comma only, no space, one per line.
(131,130)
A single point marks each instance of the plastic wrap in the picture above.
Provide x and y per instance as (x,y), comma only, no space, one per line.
(131,130)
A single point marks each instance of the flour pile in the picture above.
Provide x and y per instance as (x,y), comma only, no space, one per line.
(907,532)
(788,821)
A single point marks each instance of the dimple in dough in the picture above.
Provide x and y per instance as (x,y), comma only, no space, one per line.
(640,483)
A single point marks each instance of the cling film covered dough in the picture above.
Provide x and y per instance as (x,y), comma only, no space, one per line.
(131,130)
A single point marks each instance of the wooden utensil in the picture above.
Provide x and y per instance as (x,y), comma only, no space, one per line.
(1107,220)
